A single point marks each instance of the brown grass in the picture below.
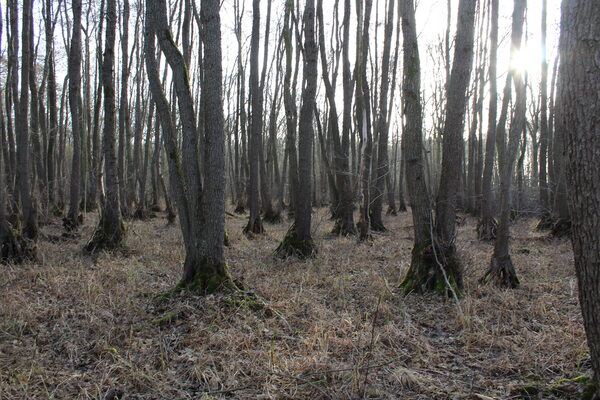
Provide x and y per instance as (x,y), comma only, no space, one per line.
(72,326)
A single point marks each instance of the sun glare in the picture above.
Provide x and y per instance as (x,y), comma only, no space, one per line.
(527,59)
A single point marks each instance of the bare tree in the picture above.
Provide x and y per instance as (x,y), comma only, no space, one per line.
(298,240)
(501,270)
(110,233)
(30,227)
(254,225)
(72,220)
(453,140)
(487,226)
(201,209)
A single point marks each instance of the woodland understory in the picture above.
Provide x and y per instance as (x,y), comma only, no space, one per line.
(334,327)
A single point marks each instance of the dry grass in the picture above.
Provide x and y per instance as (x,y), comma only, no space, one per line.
(76,327)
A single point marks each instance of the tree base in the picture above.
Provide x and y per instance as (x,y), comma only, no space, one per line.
(171,217)
(143,214)
(254,227)
(240,209)
(501,273)
(546,222)
(107,238)
(344,227)
(561,228)
(487,229)
(273,217)
(155,208)
(364,233)
(426,275)
(293,246)
(208,278)
(392,211)
(72,224)
(15,249)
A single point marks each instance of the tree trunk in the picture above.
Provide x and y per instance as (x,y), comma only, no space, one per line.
(382,164)
(579,93)
(501,270)
(487,226)
(110,234)
(298,240)
(72,220)
(30,227)
(254,225)
(453,140)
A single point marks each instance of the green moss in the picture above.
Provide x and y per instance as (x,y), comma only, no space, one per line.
(208,279)
(529,390)
(590,389)
(294,246)
(167,319)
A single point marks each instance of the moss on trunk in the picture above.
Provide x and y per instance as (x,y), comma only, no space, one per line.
(295,246)
(425,273)
(203,277)
(14,248)
(107,236)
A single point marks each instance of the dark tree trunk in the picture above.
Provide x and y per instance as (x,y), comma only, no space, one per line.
(110,234)
(579,93)
(30,227)
(501,270)
(488,226)
(453,140)
(254,225)
(298,240)
(381,172)
(72,220)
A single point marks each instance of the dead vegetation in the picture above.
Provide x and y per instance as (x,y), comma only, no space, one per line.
(333,327)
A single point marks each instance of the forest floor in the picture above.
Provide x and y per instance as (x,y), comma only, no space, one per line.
(74,326)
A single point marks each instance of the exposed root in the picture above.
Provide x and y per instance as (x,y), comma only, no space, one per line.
(425,273)
(501,273)
(344,227)
(293,246)
(107,237)
(240,209)
(487,229)
(254,227)
(72,224)
(15,248)
(143,214)
(392,211)
(273,217)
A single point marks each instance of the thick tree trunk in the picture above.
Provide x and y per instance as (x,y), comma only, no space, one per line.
(201,211)
(453,140)
(110,234)
(423,274)
(579,91)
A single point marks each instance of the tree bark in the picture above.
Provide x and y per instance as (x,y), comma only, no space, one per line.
(579,93)
(487,225)
(501,270)
(110,234)
(453,140)
(72,220)
(298,240)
